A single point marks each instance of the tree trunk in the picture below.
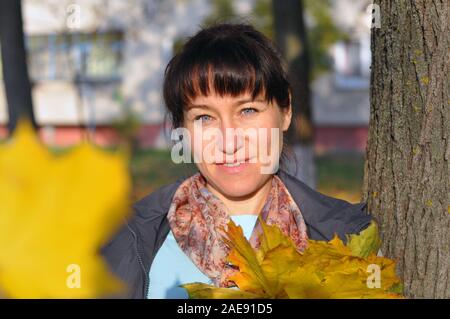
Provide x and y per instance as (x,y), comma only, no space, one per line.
(291,38)
(15,72)
(406,178)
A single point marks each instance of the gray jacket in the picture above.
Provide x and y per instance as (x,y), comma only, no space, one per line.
(131,251)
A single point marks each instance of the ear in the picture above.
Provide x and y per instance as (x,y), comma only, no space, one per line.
(286,115)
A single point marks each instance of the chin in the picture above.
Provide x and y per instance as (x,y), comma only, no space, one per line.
(238,190)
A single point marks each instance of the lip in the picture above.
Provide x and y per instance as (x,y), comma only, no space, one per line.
(235,161)
(235,169)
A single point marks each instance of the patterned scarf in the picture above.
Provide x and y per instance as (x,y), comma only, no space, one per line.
(196,216)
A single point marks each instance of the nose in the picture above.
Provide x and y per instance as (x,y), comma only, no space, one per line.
(232,139)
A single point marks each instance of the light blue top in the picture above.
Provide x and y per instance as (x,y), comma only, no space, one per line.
(172,267)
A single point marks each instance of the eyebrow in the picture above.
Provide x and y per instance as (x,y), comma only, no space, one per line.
(239,102)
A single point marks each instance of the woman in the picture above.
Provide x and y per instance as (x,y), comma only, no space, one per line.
(226,77)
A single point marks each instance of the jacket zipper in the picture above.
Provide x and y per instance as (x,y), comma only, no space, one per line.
(141,263)
(146,276)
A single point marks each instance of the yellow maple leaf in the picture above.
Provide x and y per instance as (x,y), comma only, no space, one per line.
(251,276)
(277,270)
(56,212)
(365,243)
(203,291)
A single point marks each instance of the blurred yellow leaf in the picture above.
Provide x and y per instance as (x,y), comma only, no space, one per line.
(56,211)
(277,270)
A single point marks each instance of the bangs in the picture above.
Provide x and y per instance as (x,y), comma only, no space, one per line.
(224,72)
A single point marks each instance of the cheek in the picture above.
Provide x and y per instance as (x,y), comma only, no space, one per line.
(204,147)
(272,142)
(273,136)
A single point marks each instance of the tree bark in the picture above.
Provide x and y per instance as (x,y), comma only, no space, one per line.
(406,177)
(291,38)
(15,71)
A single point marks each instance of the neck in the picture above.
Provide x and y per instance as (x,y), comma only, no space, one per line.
(251,204)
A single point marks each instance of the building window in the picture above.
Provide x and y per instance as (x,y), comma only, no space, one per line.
(352,64)
(96,56)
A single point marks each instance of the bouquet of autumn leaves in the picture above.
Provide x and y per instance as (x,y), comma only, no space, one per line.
(324,270)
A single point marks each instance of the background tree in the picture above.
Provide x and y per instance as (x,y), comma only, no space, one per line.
(305,50)
(406,182)
(14,62)
(291,38)
(321,30)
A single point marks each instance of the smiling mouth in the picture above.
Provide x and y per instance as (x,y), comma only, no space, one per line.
(235,163)
(232,164)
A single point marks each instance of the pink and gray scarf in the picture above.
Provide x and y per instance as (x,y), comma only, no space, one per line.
(196,216)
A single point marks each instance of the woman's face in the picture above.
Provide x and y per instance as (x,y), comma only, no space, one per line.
(250,147)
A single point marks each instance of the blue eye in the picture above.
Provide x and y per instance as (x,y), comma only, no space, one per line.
(249,110)
(203,118)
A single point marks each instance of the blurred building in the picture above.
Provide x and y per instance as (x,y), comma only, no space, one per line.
(341,106)
(92,62)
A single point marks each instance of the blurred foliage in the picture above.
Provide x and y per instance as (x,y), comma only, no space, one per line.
(263,17)
(340,175)
(178,45)
(321,35)
(128,124)
(322,32)
(152,168)
(221,11)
